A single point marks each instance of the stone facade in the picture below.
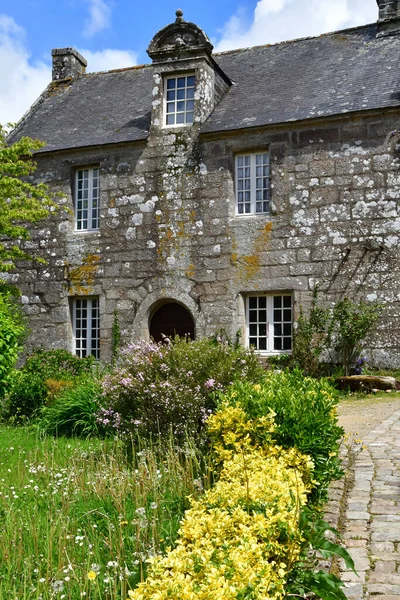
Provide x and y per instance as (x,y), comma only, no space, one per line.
(169,231)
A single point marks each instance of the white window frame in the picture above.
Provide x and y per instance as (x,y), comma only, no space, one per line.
(86,336)
(274,328)
(252,183)
(188,100)
(87,199)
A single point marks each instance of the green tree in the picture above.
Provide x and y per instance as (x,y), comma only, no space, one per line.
(12,332)
(21,202)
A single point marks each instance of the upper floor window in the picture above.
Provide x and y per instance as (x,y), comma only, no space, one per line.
(179,100)
(269,322)
(252,183)
(87,199)
(86,326)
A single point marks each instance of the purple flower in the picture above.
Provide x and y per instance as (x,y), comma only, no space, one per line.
(209,383)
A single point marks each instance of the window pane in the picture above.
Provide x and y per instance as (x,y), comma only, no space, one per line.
(252,316)
(180,82)
(262,316)
(189,117)
(287,315)
(180,118)
(287,343)
(262,344)
(171,83)
(170,119)
(262,301)
(171,95)
(180,94)
(287,301)
(191,80)
(287,329)
(277,301)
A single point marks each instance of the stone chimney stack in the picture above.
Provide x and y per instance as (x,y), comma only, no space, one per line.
(389,17)
(67,63)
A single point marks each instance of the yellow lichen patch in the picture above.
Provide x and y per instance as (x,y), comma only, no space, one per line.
(190,271)
(249,265)
(263,239)
(81,279)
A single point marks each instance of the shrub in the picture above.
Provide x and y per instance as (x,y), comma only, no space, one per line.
(241,538)
(12,331)
(159,387)
(74,411)
(305,417)
(340,331)
(351,324)
(28,390)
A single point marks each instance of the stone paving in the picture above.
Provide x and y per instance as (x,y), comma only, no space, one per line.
(370,519)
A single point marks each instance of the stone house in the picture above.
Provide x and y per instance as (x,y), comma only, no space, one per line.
(213,191)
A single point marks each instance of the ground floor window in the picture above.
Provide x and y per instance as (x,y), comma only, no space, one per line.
(86,326)
(269,322)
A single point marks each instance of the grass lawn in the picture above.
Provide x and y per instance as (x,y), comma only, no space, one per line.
(77,520)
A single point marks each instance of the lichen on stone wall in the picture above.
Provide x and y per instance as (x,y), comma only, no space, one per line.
(81,279)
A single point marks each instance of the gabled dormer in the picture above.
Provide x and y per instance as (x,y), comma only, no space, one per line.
(188,83)
(389,17)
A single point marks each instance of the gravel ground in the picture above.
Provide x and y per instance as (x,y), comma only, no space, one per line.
(361,415)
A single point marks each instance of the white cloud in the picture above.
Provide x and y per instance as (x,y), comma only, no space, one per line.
(277,20)
(23,80)
(105,60)
(99,18)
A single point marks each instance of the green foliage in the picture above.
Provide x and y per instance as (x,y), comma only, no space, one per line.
(73,411)
(159,387)
(68,503)
(352,323)
(305,578)
(21,202)
(115,337)
(12,331)
(28,390)
(310,337)
(305,417)
(340,331)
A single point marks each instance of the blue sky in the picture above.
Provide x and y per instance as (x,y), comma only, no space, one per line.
(115,33)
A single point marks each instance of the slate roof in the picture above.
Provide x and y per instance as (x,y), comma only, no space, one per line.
(334,73)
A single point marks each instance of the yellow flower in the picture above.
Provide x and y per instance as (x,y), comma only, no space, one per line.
(92,575)
(130,594)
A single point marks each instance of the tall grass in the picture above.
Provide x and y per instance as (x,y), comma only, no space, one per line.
(80,519)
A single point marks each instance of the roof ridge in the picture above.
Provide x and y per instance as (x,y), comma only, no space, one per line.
(301,39)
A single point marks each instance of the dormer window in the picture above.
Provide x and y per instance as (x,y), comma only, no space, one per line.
(179,100)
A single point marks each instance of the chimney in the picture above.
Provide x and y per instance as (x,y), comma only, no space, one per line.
(67,63)
(389,17)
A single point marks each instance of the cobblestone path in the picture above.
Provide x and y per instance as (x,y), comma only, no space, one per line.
(370,520)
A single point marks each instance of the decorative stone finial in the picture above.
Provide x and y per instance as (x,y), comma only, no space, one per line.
(179,16)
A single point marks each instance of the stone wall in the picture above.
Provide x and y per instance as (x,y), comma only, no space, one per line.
(169,231)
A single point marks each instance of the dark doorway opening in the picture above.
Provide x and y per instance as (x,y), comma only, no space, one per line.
(169,320)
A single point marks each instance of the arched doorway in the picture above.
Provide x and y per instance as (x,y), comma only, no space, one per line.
(171,319)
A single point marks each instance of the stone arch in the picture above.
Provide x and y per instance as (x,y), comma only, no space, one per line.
(164,294)
(170,318)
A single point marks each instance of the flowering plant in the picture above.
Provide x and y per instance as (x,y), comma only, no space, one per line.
(242,538)
(156,388)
